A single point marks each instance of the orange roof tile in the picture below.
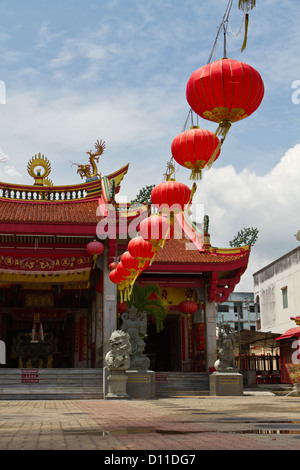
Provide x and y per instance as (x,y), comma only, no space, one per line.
(79,212)
(179,251)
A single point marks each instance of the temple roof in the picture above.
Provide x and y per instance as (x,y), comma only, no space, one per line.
(71,211)
(31,208)
(182,251)
(79,212)
(190,261)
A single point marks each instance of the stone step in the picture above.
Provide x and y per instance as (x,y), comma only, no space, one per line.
(58,384)
(47,384)
(181,384)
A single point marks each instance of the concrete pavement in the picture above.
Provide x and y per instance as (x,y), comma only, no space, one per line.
(259,421)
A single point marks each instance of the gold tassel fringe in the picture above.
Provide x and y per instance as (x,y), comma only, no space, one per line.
(246,32)
(196,174)
(223,129)
(213,157)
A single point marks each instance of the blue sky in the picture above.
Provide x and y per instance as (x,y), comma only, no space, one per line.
(76,71)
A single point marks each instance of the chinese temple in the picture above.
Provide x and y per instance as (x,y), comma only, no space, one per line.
(58,305)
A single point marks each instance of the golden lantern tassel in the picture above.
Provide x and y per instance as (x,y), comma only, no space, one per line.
(246,5)
(152,259)
(223,129)
(196,174)
(213,157)
(132,284)
(246,32)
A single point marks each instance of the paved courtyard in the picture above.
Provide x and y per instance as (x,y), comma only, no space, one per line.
(252,422)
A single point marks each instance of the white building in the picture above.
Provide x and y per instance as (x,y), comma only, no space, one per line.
(277,292)
(238,311)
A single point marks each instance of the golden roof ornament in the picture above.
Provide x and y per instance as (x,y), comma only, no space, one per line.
(170,171)
(90,171)
(39,168)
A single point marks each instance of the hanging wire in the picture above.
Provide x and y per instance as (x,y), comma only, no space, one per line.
(190,117)
(235,35)
(223,25)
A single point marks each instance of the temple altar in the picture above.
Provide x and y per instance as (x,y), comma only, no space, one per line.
(34,353)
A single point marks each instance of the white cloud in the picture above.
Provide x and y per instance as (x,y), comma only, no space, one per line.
(8,172)
(270,203)
(64,127)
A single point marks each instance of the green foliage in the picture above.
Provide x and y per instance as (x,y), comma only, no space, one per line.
(247,236)
(142,300)
(144,196)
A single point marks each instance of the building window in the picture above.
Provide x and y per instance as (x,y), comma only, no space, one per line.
(284,297)
(223,308)
(238,308)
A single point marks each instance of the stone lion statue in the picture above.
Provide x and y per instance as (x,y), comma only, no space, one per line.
(119,356)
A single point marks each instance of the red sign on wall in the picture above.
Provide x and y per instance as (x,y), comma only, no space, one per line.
(83,338)
(30,376)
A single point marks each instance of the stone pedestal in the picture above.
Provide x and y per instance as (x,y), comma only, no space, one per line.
(117,380)
(141,384)
(226,384)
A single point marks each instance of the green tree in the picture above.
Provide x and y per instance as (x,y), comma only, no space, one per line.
(148,299)
(247,236)
(144,196)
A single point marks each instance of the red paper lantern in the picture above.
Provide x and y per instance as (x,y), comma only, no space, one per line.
(155,229)
(195,149)
(122,271)
(225,91)
(142,250)
(115,277)
(171,196)
(95,248)
(188,307)
(131,263)
(112,265)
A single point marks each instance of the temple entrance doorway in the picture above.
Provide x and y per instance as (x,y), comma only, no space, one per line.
(164,348)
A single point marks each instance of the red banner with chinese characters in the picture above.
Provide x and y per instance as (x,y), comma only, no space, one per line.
(190,335)
(76,346)
(83,338)
(30,376)
(183,337)
(199,336)
(12,263)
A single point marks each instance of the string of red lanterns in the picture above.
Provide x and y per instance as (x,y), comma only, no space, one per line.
(224,91)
